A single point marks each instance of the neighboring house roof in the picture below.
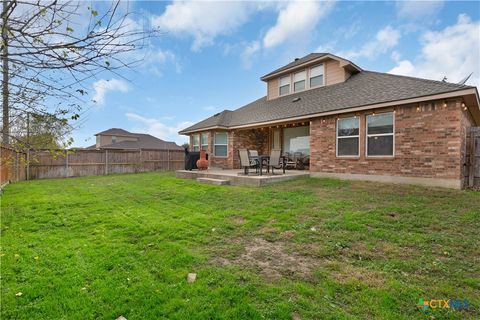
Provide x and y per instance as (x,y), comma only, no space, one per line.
(144,141)
(361,89)
(115,132)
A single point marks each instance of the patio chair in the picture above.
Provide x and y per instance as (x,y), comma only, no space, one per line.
(246,163)
(276,161)
(253,154)
(297,158)
(289,161)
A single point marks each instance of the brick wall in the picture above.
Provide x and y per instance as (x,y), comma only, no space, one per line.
(251,139)
(428,143)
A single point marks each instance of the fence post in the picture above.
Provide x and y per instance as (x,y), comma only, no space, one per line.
(66,163)
(106,161)
(28,164)
(168,160)
(17,174)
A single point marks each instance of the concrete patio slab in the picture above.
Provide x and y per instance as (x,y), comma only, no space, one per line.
(236,176)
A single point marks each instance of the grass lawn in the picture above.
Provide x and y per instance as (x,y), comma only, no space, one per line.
(101,247)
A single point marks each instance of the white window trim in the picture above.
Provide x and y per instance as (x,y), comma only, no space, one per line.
(310,76)
(304,80)
(289,85)
(355,136)
(193,142)
(380,135)
(201,141)
(215,145)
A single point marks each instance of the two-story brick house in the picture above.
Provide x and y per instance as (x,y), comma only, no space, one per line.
(354,124)
(119,139)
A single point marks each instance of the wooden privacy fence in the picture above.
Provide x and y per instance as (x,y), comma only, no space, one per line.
(12,165)
(472,172)
(78,163)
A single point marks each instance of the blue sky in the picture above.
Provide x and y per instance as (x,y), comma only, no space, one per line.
(211,55)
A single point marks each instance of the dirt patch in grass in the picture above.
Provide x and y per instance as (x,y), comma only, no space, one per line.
(346,273)
(238,220)
(273,260)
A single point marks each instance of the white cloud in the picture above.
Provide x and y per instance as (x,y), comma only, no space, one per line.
(155,60)
(416,10)
(204,21)
(295,20)
(102,86)
(248,52)
(385,39)
(157,128)
(453,52)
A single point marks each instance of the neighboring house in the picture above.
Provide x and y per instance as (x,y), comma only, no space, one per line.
(120,139)
(354,124)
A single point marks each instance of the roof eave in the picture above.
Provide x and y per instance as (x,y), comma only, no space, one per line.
(189,131)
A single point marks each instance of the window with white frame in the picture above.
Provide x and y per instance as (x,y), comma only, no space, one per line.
(316,76)
(380,134)
(299,81)
(196,142)
(284,86)
(205,141)
(348,137)
(221,144)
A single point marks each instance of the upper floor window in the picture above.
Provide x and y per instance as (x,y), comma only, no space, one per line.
(299,81)
(114,139)
(380,134)
(196,142)
(316,76)
(205,141)
(284,85)
(348,137)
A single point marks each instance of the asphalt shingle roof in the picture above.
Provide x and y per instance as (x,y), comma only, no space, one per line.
(115,132)
(361,89)
(297,62)
(144,141)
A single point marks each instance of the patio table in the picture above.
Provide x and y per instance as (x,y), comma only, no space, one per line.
(261,159)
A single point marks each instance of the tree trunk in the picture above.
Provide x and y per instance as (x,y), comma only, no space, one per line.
(6,117)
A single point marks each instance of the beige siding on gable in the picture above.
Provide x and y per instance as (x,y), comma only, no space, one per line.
(272,89)
(334,73)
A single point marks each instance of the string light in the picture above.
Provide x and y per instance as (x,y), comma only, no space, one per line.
(444,104)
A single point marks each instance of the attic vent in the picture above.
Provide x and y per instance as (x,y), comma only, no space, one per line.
(216,114)
(296,99)
(296,59)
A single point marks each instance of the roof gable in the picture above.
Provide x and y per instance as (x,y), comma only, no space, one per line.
(309,59)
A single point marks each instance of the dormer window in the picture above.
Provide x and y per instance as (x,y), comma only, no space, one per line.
(299,81)
(284,85)
(316,76)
